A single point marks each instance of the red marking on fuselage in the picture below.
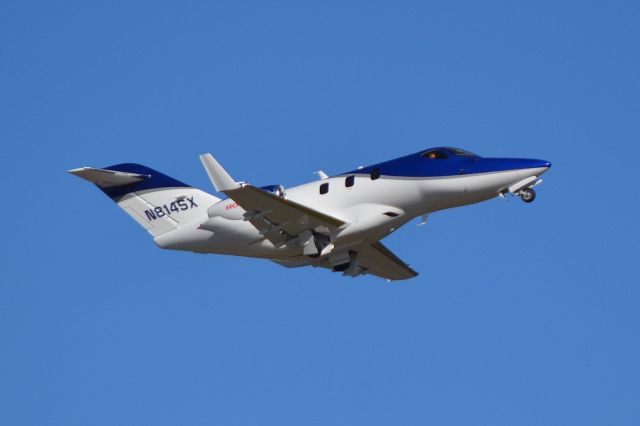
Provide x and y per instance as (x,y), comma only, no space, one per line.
(231,206)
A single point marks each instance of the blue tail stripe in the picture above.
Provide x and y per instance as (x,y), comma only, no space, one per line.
(155,180)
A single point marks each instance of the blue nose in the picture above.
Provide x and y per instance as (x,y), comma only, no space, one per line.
(539,163)
(501,164)
(527,163)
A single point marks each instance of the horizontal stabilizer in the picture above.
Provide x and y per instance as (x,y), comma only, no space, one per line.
(106,178)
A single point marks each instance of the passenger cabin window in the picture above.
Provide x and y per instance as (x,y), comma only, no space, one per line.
(348,182)
(375,173)
(324,188)
(435,154)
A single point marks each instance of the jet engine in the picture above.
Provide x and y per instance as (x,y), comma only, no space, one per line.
(275,189)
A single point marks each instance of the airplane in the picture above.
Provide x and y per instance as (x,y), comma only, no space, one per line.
(333,222)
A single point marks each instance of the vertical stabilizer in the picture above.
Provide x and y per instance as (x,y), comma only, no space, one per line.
(159,203)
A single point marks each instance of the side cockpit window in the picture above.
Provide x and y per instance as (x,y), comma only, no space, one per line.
(435,154)
(461,152)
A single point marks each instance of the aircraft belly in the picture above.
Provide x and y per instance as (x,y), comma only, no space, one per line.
(443,193)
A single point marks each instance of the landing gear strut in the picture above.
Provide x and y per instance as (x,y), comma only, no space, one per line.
(528,195)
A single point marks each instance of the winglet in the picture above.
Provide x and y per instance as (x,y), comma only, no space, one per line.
(221,180)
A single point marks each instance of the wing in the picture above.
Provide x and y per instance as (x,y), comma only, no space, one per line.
(380,261)
(281,220)
(278,219)
(373,259)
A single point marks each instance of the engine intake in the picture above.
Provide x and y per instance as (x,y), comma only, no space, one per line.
(275,189)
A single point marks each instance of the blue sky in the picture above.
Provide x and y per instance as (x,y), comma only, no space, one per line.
(522,314)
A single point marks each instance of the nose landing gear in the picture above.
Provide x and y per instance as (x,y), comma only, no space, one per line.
(524,189)
(528,195)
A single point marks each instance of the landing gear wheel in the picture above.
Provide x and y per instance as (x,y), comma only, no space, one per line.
(528,195)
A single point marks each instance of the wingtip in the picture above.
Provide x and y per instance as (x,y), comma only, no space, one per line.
(220,178)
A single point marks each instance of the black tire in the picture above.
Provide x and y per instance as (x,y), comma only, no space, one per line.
(528,195)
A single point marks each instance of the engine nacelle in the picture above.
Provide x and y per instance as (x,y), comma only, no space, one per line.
(275,189)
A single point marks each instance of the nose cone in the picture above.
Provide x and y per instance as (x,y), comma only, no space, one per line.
(533,166)
(537,166)
(540,163)
(529,163)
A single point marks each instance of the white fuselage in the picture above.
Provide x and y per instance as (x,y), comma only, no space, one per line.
(371,208)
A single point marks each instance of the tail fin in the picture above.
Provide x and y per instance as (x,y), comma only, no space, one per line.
(156,201)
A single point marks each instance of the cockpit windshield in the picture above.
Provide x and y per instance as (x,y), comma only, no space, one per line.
(435,154)
(444,153)
(461,152)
